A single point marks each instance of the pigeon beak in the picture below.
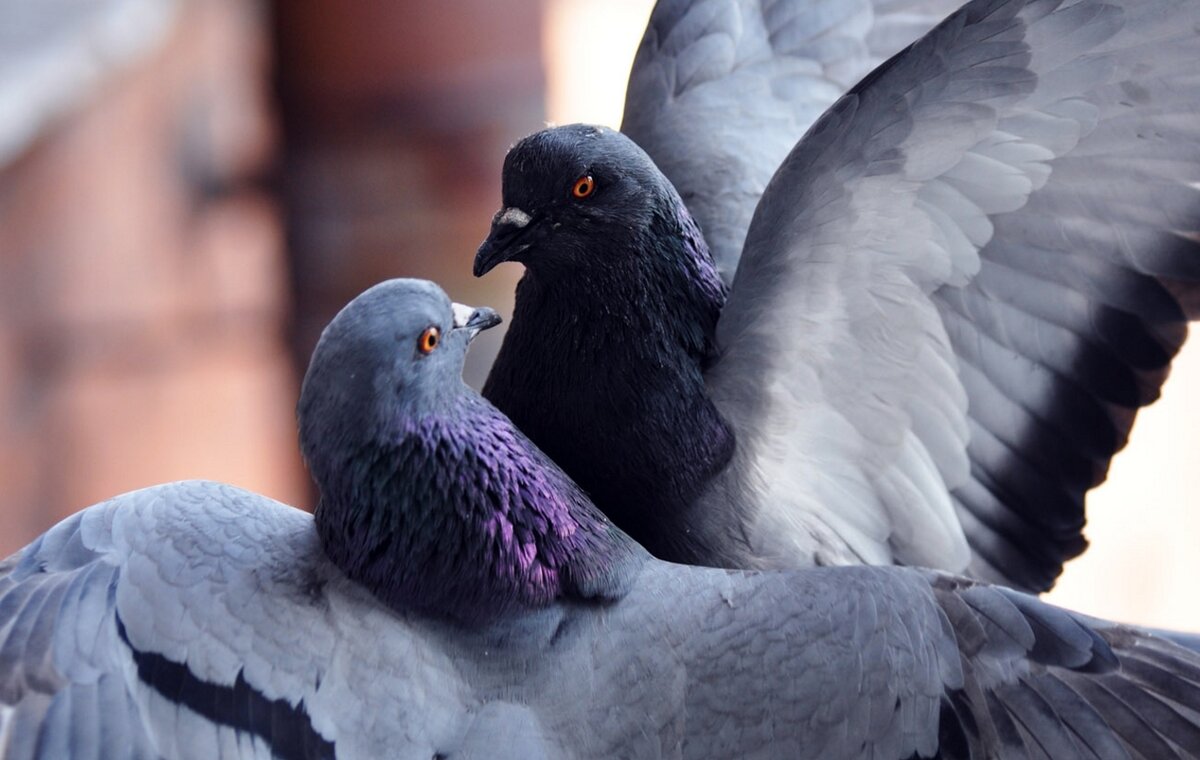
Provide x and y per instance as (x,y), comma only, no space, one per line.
(473,320)
(501,244)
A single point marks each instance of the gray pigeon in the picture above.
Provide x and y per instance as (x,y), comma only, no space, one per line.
(954,295)
(456,596)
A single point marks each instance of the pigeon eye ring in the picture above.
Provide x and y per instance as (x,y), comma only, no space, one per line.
(583,187)
(429,340)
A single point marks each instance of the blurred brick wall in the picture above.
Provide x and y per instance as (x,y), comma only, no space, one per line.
(145,292)
(143,286)
(397,116)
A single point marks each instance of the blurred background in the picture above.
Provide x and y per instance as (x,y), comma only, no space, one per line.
(189,189)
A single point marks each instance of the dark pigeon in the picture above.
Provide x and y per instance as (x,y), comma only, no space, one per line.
(457,596)
(954,295)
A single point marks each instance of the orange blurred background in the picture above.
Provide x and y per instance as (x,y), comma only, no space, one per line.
(189,189)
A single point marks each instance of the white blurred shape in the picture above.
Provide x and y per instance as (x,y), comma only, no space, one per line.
(53,52)
(589,45)
(1144,524)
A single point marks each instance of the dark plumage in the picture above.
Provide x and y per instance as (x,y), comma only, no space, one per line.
(954,295)
(615,319)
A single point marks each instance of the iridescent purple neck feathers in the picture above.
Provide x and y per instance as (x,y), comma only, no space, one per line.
(455,514)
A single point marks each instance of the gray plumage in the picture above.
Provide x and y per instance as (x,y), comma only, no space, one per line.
(199,620)
(721,90)
(953,296)
(1005,239)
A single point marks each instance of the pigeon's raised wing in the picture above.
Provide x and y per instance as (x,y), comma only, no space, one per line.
(963,283)
(721,90)
(199,620)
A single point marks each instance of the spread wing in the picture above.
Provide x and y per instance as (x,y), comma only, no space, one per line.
(963,283)
(62,686)
(721,90)
(199,620)
(896,663)
(1040,681)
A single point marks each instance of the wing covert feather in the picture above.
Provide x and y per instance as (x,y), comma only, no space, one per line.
(199,620)
(721,90)
(983,254)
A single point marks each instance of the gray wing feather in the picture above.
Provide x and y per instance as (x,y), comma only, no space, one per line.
(694,662)
(61,689)
(866,662)
(200,620)
(1042,681)
(721,90)
(503,730)
(985,253)
(815,664)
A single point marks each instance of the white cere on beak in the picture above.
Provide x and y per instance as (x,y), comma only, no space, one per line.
(514,216)
(462,313)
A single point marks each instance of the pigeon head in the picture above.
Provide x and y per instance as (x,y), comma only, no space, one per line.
(596,223)
(575,197)
(429,496)
(396,349)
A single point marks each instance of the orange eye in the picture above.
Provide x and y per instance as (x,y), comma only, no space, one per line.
(429,340)
(583,186)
